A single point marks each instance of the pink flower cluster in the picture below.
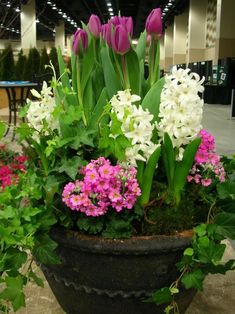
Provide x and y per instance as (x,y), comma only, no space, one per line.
(104,186)
(10,166)
(207,165)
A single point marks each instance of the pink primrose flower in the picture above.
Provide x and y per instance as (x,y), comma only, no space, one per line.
(206,182)
(104,186)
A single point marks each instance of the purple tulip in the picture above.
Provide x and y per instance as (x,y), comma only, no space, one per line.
(154,22)
(106,30)
(120,40)
(94,25)
(127,22)
(80,41)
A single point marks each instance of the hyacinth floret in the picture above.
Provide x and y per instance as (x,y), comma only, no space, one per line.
(136,126)
(104,187)
(207,166)
(180,109)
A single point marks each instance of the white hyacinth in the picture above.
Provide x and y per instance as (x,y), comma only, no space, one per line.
(39,114)
(136,126)
(180,109)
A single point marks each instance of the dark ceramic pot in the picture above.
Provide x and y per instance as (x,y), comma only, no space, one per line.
(99,276)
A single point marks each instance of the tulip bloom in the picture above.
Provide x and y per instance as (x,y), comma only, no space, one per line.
(106,30)
(80,41)
(94,25)
(154,22)
(126,22)
(120,40)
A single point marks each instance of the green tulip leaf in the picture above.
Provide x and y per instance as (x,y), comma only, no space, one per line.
(110,76)
(148,176)
(152,99)
(182,167)
(133,69)
(141,46)
(87,65)
(168,155)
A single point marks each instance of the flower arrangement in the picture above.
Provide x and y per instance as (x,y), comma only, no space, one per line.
(11,166)
(116,155)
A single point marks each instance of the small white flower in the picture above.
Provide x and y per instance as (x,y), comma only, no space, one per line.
(136,126)
(180,109)
(40,113)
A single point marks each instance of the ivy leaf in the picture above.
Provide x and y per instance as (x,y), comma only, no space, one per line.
(14,258)
(212,253)
(161,296)
(189,251)
(13,292)
(222,269)
(72,114)
(24,131)
(91,225)
(226,190)
(83,136)
(44,250)
(194,280)
(204,242)
(117,228)
(71,166)
(225,224)
(201,230)
(36,279)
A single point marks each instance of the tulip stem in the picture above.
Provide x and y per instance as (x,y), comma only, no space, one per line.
(151,61)
(124,71)
(80,97)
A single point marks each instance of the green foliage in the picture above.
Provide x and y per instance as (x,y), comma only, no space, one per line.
(7,65)
(44,60)
(2,129)
(205,255)
(54,60)
(20,66)
(24,225)
(32,64)
(177,171)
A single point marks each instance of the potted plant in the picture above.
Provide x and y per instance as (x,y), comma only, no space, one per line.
(125,202)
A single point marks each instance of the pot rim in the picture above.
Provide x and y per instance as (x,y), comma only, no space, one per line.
(136,245)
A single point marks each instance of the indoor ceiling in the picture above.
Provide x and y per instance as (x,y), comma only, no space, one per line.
(49,13)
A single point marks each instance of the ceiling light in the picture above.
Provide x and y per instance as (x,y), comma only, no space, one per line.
(109,4)
(64,15)
(17,9)
(54,7)
(49,2)
(8,4)
(110,9)
(37,21)
(111,14)
(166,9)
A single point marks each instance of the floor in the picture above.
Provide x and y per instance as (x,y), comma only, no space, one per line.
(218,296)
